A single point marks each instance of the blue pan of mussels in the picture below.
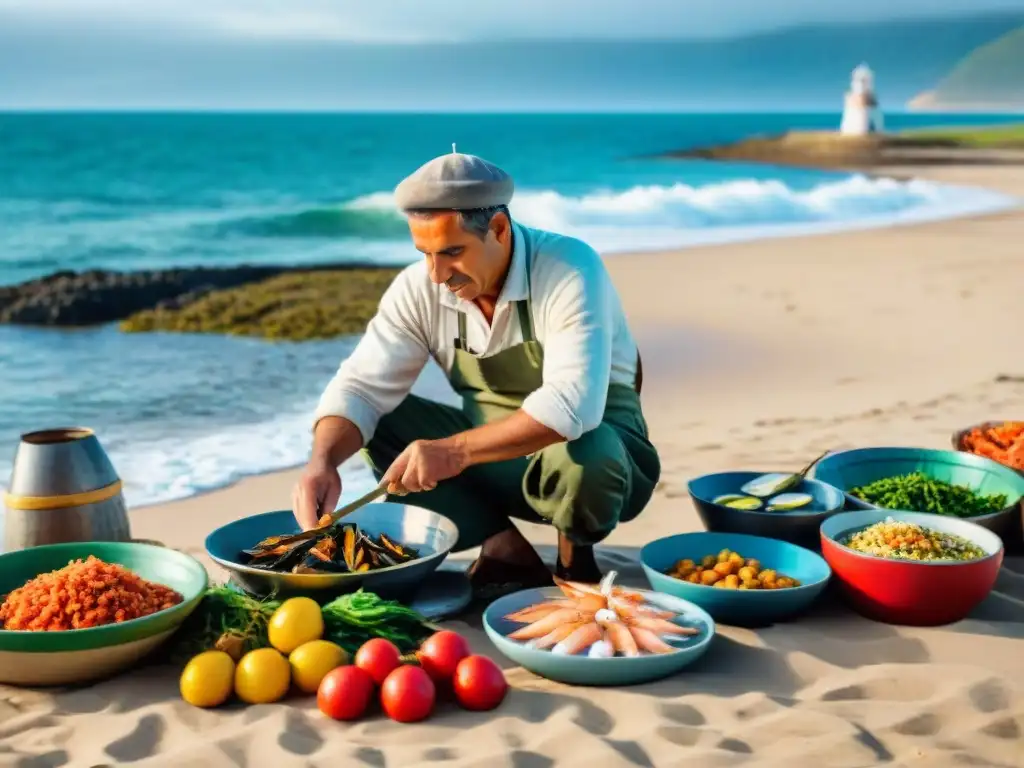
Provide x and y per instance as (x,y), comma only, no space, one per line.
(386,548)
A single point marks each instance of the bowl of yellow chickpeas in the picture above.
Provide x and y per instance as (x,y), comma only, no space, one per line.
(736,578)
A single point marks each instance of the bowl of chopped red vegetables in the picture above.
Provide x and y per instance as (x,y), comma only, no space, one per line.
(1001,441)
(81,611)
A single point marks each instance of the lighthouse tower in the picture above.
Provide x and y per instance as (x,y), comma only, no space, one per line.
(861,115)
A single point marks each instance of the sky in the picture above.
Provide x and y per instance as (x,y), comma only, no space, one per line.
(383,54)
(438,20)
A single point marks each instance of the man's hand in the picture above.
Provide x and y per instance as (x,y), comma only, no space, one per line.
(423,464)
(316,492)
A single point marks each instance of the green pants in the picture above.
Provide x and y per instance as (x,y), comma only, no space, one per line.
(583,488)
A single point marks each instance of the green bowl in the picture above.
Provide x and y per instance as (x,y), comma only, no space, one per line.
(848,469)
(80,655)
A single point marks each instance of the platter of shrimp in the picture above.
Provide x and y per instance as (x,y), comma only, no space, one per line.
(598,634)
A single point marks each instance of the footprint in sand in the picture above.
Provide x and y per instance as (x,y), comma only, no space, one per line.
(141,742)
(924,724)
(680,735)
(735,745)
(906,688)
(630,750)
(370,756)
(1008,728)
(298,736)
(989,695)
(439,753)
(48,760)
(766,705)
(523,759)
(683,714)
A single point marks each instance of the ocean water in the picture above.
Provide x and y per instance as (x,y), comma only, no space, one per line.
(180,414)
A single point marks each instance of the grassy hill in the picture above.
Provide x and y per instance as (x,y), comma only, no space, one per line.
(991,76)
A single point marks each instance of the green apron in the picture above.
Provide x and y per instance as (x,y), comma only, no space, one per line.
(584,488)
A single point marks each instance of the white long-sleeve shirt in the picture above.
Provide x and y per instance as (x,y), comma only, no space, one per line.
(577,318)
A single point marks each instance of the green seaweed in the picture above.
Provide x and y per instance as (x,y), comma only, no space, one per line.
(297,306)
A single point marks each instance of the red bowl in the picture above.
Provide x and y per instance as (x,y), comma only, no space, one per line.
(906,591)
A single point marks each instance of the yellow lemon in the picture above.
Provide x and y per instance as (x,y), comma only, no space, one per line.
(262,676)
(311,661)
(295,622)
(207,679)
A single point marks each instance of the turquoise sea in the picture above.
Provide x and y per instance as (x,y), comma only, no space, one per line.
(180,414)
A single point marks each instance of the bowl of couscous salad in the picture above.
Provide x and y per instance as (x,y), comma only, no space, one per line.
(911,568)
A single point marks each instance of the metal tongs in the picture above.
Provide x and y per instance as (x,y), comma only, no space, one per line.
(328,519)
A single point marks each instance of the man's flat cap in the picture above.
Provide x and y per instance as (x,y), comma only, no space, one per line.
(454,182)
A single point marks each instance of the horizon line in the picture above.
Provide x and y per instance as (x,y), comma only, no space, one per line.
(529,111)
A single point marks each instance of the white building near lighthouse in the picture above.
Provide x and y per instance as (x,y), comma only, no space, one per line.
(861,114)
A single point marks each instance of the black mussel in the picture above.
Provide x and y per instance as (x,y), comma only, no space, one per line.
(399,551)
(325,549)
(270,542)
(263,556)
(379,556)
(349,539)
(283,561)
(336,549)
(313,564)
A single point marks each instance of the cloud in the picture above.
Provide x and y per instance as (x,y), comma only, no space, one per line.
(304,25)
(312,20)
(449,20)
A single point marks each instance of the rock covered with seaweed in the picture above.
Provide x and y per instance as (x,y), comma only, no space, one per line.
(276,302)
(294,306)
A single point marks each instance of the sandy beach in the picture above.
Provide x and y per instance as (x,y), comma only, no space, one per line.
(756,356)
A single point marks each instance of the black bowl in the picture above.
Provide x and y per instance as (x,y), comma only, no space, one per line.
(798,526)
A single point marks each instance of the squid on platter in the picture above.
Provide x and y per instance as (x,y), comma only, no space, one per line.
(603,620)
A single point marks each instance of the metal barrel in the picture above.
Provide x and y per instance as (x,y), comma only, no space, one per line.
(63,488)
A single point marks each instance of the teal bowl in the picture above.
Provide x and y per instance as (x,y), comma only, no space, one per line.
(432,534)
(82,655)
(581,670)
(743,607)
(849,469)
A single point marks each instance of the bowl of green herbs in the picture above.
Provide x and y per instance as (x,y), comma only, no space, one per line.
(950,483)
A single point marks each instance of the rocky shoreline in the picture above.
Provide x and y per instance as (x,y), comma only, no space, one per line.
(323,301)
(832,151)
(271,301)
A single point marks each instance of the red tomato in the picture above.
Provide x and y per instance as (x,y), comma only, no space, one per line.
(345,692)
(479,683)
(441,653)
(378,657)
(408,694)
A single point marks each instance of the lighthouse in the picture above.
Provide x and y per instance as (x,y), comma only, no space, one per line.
(861,115)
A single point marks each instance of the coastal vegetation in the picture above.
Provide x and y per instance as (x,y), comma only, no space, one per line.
(830,149)
(295,306)
(980,137)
